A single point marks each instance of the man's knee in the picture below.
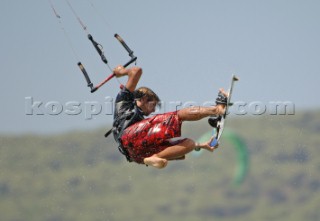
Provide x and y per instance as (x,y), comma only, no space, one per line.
(189,143)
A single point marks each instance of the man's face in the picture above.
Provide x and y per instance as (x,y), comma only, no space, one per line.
(149,107)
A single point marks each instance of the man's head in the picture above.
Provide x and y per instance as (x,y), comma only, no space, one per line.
(146,99)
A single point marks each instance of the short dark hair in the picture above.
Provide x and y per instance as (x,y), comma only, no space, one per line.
(145,91)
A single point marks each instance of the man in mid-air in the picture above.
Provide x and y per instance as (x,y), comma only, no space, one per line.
(150,141)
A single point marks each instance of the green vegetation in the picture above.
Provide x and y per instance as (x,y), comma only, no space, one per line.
(81,176)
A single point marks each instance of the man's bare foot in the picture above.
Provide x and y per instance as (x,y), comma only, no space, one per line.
(221,107)
(156,162)
(224,92)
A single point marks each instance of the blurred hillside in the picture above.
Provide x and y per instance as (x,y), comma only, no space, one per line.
(82,176)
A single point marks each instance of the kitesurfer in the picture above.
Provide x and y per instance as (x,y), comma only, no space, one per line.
(149,140)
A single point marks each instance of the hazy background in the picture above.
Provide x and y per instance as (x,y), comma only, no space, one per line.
(51,171)
(188,49)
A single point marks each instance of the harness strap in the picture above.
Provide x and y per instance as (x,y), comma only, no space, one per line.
(108,133)
(120,124)
(120,148)
(126,122)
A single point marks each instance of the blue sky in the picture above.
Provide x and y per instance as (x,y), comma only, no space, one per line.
(187,49)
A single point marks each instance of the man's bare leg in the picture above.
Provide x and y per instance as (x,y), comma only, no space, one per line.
(198,113)
(176,152)
(170,153)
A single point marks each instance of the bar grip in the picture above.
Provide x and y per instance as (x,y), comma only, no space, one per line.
(85,74)
(124,44)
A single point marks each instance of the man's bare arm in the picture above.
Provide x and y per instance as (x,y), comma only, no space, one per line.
(133,73)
